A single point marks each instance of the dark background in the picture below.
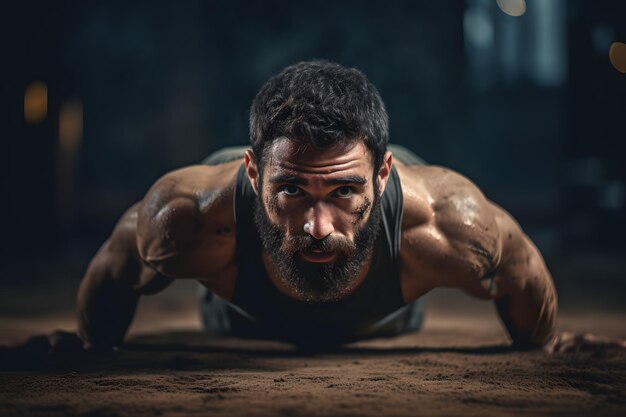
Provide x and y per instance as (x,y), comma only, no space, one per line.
(530,108)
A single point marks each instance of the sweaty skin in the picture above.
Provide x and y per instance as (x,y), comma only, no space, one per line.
(452,236)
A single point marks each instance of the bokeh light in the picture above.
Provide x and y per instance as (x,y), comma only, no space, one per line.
(36,102)
(70,125)
(513,8)
(617,55)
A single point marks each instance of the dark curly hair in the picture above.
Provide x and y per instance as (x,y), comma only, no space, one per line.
(319,103)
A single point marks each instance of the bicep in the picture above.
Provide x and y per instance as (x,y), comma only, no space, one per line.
(184,231)
(167,222)
(470,238)
(519,265)
(459,242)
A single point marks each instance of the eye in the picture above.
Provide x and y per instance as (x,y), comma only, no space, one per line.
(290,190)
(344,192)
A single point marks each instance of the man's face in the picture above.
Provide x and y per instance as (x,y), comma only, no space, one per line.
(318,215)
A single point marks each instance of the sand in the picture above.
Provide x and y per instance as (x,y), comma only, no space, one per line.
(459,364)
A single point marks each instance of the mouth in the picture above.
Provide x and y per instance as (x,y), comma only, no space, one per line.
(318,256)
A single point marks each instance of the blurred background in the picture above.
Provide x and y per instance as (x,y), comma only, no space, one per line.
(99,99)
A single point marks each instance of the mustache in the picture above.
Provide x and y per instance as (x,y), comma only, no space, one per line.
(307,243)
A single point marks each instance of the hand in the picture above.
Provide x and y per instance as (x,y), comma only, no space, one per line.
(57,350)
(64,343)
(575,342)
(57,343)
(60,344)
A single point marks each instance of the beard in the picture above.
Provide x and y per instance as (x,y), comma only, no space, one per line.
(316,282)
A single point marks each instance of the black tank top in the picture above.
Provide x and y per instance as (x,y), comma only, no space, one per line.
(281,317)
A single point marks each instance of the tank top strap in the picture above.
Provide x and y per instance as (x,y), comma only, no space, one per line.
(249,246)
(393,208)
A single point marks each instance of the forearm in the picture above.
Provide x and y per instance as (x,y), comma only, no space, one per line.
(523,289)
(105,310)
(529,312)
(107,298)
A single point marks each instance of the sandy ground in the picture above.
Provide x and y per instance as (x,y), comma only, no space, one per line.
(458,365)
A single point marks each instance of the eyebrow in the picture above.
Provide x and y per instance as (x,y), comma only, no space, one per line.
(295,180)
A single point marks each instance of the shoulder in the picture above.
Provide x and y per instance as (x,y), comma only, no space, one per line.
(448,218)
(440,195)
(186,210)
(203,190)
(205,185)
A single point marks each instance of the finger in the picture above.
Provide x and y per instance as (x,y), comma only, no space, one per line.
(37,346)
(65,343)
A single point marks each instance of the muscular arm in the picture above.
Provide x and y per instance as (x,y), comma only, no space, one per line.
(185,226)
(179,230)
(457,238)
(521,287)
(109,291)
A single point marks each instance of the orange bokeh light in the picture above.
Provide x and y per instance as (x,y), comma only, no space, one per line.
(617,55)
(36,102)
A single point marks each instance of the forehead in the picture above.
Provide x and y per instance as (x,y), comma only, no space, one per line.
(287,156)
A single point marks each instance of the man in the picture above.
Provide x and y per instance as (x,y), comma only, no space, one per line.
(319,234)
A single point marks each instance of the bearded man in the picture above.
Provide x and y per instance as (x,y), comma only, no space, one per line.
(320,233)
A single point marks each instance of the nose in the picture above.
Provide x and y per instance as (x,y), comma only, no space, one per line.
(319,222)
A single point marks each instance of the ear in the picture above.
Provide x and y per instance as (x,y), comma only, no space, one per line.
(384,171)
(252,169)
